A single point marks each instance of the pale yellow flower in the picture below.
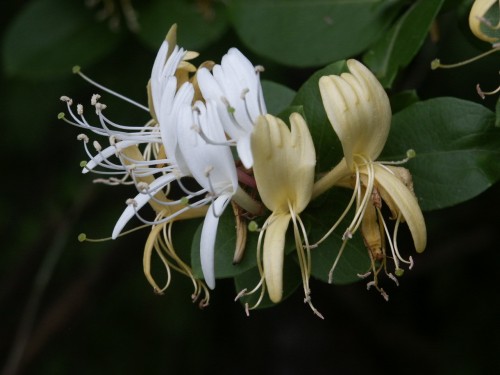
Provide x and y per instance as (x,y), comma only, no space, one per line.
(359,111)
(284,161)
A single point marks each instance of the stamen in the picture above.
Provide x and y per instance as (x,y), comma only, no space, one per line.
(95,98)
(76,70)
(97,146)
(483,94)
(66,99)
(82,137)
(435,64)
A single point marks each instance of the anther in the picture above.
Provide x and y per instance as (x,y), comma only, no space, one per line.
(393,278)
(99,107)
(240,294)
(384,294)
(347,235)
(370,284)
(131,202)
(79,109)
(364,275)
(142,187)
(208,169)
(411,262)
(243,93)
(95,99)
(97,146)
(66,99)
(83,137)
(259,69)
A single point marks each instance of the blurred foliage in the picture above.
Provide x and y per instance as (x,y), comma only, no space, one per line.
(86,308)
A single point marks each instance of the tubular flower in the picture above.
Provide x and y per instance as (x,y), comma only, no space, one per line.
(235,87)
(359,111)
(149,157)
(284,162)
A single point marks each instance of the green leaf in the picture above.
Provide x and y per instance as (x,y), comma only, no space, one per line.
(457,149)
(326,143)
(50,36)
(398,46)
(198,25)
(248,280)
(403,99)
(277,96)
(310,32)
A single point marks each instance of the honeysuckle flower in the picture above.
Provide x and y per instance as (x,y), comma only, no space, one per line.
(148,156)
(284,162)
(235,87)
(358,109)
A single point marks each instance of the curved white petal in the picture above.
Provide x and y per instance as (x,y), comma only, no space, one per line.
(208,235)
(212,165)
(140,200)
(106,153)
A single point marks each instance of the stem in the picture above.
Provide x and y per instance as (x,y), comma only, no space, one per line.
(246,202)
(330,179)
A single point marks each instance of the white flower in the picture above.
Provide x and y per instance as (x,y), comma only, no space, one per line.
(235,87)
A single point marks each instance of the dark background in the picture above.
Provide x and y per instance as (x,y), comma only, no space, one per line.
(68,307)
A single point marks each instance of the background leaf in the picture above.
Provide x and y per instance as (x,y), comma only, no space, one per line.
(202,22)
(276,96)
(49,37)
(324,31)
(397,47)
(457,146)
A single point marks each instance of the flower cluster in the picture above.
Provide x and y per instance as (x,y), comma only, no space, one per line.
(182,165)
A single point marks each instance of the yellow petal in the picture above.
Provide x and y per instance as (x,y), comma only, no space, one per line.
(476,22)
(273,255)
(358,109)
(284,162)
(396,194)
